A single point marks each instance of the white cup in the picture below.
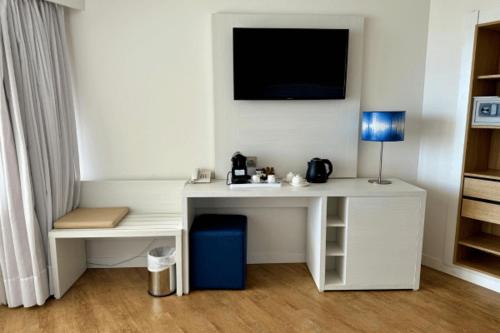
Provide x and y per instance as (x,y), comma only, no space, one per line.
(289,176)
(297,180)
(255,179)
(271,178)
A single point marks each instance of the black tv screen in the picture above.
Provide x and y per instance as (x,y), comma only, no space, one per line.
(276,64)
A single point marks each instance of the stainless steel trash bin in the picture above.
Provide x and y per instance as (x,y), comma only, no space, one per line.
(161,271)
(162,283)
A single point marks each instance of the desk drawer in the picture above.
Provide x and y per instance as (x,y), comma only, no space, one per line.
(482,189)
(482,211)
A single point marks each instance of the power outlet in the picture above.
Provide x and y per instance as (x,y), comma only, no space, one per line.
(251,164)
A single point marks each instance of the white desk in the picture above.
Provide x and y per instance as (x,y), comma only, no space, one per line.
(359,235)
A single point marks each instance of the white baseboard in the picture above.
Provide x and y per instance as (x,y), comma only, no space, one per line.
(472,276)
(432,262)
(463,273)
(275,257)
(252,258)
(109,262)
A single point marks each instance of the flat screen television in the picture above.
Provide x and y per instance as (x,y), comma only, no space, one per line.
(279,64)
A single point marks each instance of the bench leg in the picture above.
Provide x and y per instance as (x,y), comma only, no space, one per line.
(69,262)
(178,259)
(187,221)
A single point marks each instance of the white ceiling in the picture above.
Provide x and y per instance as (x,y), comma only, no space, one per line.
(75,4)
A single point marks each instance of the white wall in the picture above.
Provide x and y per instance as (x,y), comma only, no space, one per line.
(286,134)
(443,126)
(76,4)
(144,79)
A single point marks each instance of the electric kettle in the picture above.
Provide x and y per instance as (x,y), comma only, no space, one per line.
(317,170)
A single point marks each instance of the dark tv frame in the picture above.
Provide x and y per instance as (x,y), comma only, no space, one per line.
(341,97)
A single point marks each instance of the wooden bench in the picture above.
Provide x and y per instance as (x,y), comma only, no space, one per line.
(155,212)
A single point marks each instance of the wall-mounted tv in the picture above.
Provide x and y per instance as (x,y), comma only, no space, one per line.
(280,64)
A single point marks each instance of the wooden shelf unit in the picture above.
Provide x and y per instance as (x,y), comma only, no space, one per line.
(477,243)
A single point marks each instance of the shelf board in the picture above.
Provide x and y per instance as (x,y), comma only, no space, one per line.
(489,77)
(333,249)
(483,242)
(487,174)
(332,279)
(488,265)
(334,221)
(492,126)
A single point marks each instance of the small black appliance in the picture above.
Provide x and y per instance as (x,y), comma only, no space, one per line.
(239,172)
(317,170)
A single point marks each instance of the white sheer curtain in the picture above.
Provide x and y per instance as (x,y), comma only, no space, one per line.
(39,173)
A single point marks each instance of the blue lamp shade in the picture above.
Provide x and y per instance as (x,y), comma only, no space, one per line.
(383,126)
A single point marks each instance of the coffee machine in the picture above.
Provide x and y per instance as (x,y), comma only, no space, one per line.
(239,172)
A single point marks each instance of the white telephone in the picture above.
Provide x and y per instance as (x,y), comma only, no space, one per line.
(201,176)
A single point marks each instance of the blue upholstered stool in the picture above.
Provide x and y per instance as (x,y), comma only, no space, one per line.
(218,252)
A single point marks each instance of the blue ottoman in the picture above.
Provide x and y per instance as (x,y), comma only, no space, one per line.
(218,252)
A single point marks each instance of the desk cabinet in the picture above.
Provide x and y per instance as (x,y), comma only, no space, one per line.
(359,236)
(383,236)
(372,243)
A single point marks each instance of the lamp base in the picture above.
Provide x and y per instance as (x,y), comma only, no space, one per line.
(379,182)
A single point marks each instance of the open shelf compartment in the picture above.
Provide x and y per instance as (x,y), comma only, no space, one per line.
(487,50)
(479,235)
(479,260)
(335,212)
(335,241)
(478,246)
(335,272)
(483,242)
(482,158)
(334,249)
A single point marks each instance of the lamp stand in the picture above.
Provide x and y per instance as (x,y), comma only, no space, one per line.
(379,180)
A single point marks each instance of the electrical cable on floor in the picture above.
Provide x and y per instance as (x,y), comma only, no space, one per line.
(126,260)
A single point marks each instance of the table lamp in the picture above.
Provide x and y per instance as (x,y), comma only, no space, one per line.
(383,126)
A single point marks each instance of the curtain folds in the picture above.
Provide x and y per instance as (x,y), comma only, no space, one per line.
(39,169)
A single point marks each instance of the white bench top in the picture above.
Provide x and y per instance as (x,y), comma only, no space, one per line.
(133,225)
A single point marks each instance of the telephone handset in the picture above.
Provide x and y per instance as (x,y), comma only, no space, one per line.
(201,176)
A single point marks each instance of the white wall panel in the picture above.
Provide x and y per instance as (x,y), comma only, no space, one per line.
(286,134)
(144,78)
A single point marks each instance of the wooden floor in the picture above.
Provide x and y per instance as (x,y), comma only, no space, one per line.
(279,298)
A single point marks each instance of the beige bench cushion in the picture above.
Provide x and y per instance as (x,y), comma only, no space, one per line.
(84,218)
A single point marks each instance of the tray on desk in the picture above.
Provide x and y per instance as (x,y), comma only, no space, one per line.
(277,184)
